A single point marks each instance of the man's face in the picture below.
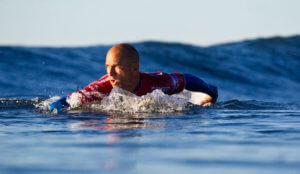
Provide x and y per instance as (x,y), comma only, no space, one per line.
(119,70)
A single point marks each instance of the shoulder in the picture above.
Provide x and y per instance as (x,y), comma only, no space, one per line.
(103,81)
(175,79)
(162,75)
(151,74)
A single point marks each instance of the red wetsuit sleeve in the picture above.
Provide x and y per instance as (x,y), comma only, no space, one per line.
(177,82)
(95,91)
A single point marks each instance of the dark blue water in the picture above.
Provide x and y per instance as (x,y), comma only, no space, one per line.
(254,128)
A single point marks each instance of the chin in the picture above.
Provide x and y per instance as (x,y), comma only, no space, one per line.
(116,86)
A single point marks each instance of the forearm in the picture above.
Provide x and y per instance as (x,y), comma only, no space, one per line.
(75,99)
(86,96)
(193,83)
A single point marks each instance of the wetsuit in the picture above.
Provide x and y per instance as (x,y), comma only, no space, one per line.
(169,83)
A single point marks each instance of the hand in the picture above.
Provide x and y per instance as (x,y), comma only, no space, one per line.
(59,104)
(206,101)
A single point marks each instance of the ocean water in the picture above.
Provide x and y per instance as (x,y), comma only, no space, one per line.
(253,128)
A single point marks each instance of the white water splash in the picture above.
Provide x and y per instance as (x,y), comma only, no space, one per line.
(45,105)
(123,101)
(75,98)
(120,100)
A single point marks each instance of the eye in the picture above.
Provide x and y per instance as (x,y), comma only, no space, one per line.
(109,66)
(120,67)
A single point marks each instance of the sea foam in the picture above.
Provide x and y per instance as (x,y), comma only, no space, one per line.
(120,100)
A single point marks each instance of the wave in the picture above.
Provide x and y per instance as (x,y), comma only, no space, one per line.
(264,69)
(18,103)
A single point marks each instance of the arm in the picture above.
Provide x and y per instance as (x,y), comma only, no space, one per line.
(193,83)
(75,99)
(93,92)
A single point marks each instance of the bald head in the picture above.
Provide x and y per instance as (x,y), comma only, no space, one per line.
(122,65)
(125,52)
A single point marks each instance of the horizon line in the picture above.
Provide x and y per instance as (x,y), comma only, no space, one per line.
(149,40)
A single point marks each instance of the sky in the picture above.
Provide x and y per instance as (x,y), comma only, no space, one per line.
(94,22)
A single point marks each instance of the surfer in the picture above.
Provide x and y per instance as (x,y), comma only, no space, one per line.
(122,65)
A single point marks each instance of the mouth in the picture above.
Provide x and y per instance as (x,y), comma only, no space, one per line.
(113,81)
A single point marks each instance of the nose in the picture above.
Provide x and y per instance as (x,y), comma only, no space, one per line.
(111,71)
